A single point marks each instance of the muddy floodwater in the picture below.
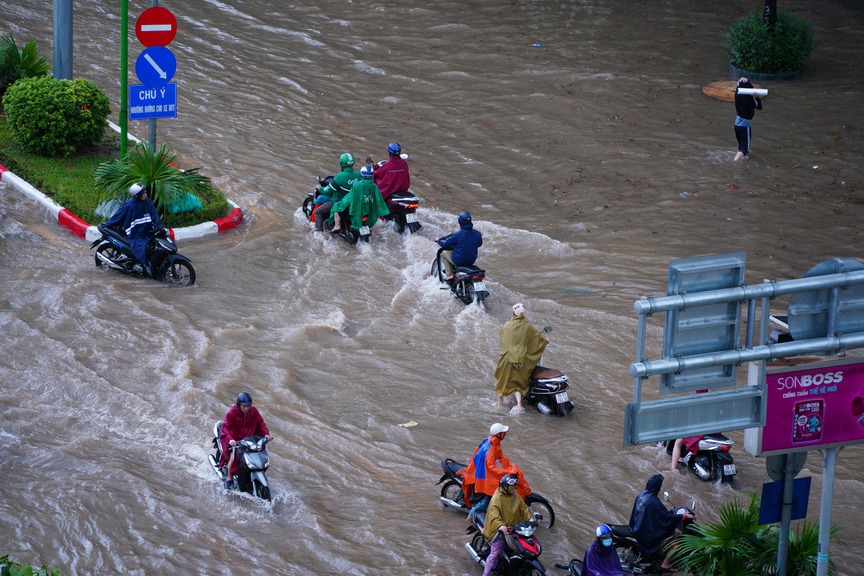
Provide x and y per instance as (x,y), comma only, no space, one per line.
(575,132)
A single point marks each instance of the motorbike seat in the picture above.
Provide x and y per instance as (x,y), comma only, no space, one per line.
(541,372)
(470,270)
(114,233)
(621,530)
(452,466)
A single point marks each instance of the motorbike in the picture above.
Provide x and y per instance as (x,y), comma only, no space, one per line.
(712,460)
(636,560)
(345,231)
(548,392)
(520,556)
(452,495)
(254,462)
(467,284)
(164,262)
(403,208)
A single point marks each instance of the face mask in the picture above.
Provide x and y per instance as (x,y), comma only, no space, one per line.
(607,542)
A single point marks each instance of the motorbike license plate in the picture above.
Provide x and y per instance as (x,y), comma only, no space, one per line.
(364,231)
(561,397)
(411,218)
(729,470)
(479,286)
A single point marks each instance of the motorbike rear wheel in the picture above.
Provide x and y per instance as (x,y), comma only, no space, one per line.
(178,274)
(452,490)
(465,291)
(629,555)
(540,505)
(108,251)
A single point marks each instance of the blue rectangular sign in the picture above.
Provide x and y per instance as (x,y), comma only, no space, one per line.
(146,102)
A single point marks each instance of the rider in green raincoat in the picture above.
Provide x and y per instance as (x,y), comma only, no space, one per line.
(364,199)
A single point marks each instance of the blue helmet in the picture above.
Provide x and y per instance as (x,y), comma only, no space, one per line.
(244,399)
(465,218)
(394,149)
(366,172)
(603,531)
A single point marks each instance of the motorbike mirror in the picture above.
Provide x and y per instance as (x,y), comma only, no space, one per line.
(665,496)
(692,505)
(547,329)
(368,160)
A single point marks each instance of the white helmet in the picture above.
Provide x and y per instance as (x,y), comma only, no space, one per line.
(137,189)
(497,428)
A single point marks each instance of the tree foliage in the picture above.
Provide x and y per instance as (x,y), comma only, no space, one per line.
(758,47)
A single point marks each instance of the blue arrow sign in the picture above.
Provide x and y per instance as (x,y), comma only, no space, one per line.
(146,102)
(156,66)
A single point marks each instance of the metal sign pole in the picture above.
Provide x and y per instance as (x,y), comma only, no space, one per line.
(829,462)
(151,123)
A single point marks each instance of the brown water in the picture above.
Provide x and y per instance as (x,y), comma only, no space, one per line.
(588,162)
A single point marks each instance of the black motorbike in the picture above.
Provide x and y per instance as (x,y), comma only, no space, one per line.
(633,558)
(548,392)
(254,462)
(403,209)
(163,261)
(345,232)
(452,495)
(467,283)
(712,460)
(521,553)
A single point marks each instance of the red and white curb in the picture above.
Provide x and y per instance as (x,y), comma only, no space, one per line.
(89,232)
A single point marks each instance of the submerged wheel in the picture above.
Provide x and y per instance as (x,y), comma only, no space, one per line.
(436,270)
(308,207)
(540,505)
(628,555)
(178,274)
(108,251)
(479,544)
(465,292)
(452,490)
(260,490)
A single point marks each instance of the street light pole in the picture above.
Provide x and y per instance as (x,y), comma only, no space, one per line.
(123,119)
(63,39)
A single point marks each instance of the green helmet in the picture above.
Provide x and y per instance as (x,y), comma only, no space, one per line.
(346,159)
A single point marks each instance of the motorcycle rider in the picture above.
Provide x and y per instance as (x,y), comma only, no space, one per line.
(338,187)
(392,176)
(506,509)
(600,558)
(242,420)
(364,199)
(692,445)
(461,247)
(521,348)
(137,217)
(652,523)
(487,466)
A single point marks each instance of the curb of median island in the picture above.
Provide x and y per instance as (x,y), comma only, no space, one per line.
(82,229)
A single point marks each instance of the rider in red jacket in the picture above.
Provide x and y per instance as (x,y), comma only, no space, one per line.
(242,420)
(392,176)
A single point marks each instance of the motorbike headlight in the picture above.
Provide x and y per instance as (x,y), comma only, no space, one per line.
(266,465)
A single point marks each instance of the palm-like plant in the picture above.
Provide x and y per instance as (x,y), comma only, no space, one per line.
(168,184)
(16,64)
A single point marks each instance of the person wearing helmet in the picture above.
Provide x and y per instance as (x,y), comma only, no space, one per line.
(460,248)
(392,175)
(363,204)
(652,523)
(242,420)
(338,187)
(487,466)
(521,347)
(137,217)
(506,509)
(600,558)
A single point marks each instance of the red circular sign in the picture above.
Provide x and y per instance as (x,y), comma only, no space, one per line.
(156,26)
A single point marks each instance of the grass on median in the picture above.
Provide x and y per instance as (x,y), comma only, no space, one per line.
(70,181)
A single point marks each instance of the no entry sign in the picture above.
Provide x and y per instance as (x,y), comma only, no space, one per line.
(156,26)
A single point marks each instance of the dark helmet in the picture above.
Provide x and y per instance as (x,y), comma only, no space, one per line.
(367,172)
(465,218)
(244,399)
(394,149)
(508,480)
(346,160)
(137,190)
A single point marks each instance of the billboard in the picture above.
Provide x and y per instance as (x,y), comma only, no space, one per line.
(814,406)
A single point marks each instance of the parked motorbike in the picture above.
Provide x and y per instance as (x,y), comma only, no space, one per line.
(452,495)
(164,262)
(713,459)
(520,556)
(548,392)
(467,284)
(254,462)
(403,208)
(633,558)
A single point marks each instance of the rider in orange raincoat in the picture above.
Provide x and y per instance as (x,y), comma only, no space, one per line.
(487,466)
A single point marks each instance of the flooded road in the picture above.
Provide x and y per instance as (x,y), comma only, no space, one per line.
(577,135)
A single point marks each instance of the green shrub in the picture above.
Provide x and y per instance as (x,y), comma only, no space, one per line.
(12,568)
(784,48)
(16,64)
(54,117)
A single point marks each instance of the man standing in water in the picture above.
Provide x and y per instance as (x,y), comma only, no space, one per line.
(745,107)
(521,348)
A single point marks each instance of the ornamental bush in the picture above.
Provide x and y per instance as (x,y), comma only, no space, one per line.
(783,48)
(53,117)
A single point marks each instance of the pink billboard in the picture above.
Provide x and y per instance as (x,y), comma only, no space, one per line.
(814,406)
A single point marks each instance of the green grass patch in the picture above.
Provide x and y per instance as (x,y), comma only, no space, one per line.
(71,181)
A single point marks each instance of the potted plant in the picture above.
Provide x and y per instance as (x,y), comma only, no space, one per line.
(768,48)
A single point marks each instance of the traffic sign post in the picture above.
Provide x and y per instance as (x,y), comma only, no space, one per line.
(148,102)
(156,26)
(156,66)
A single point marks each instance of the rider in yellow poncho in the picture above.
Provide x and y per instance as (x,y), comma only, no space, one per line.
(521,348)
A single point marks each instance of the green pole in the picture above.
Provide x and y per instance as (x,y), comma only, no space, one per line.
(124,88)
